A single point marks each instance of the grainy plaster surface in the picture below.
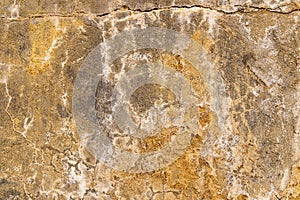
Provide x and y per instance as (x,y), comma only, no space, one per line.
(250,152)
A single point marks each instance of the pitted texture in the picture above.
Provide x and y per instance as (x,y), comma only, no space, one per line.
(254,48)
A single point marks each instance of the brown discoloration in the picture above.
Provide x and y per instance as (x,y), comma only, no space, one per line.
(147,96)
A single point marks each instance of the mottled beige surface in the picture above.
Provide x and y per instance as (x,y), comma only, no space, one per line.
(253,45)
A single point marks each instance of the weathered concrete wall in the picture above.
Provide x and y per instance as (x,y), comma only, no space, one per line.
(238,65)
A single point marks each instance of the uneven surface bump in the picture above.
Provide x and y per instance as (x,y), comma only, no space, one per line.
(239,128)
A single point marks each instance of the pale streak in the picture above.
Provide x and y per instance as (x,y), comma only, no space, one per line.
(56,41)
(27,125)
(14,11)
(65,93)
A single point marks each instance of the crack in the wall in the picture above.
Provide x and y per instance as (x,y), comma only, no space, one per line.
(240,9)
(9,97)
(27,121)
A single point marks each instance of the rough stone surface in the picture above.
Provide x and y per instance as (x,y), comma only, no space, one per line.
(254,47)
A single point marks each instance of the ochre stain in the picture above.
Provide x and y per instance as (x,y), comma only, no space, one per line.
(42,34)
(205,116)
(201,37)
(45,37)
(148,144)
(191,74)
(189,177)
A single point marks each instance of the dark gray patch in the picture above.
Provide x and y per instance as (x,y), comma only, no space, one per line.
(62,111)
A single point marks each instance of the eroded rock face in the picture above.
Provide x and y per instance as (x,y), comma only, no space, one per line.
(219,100)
